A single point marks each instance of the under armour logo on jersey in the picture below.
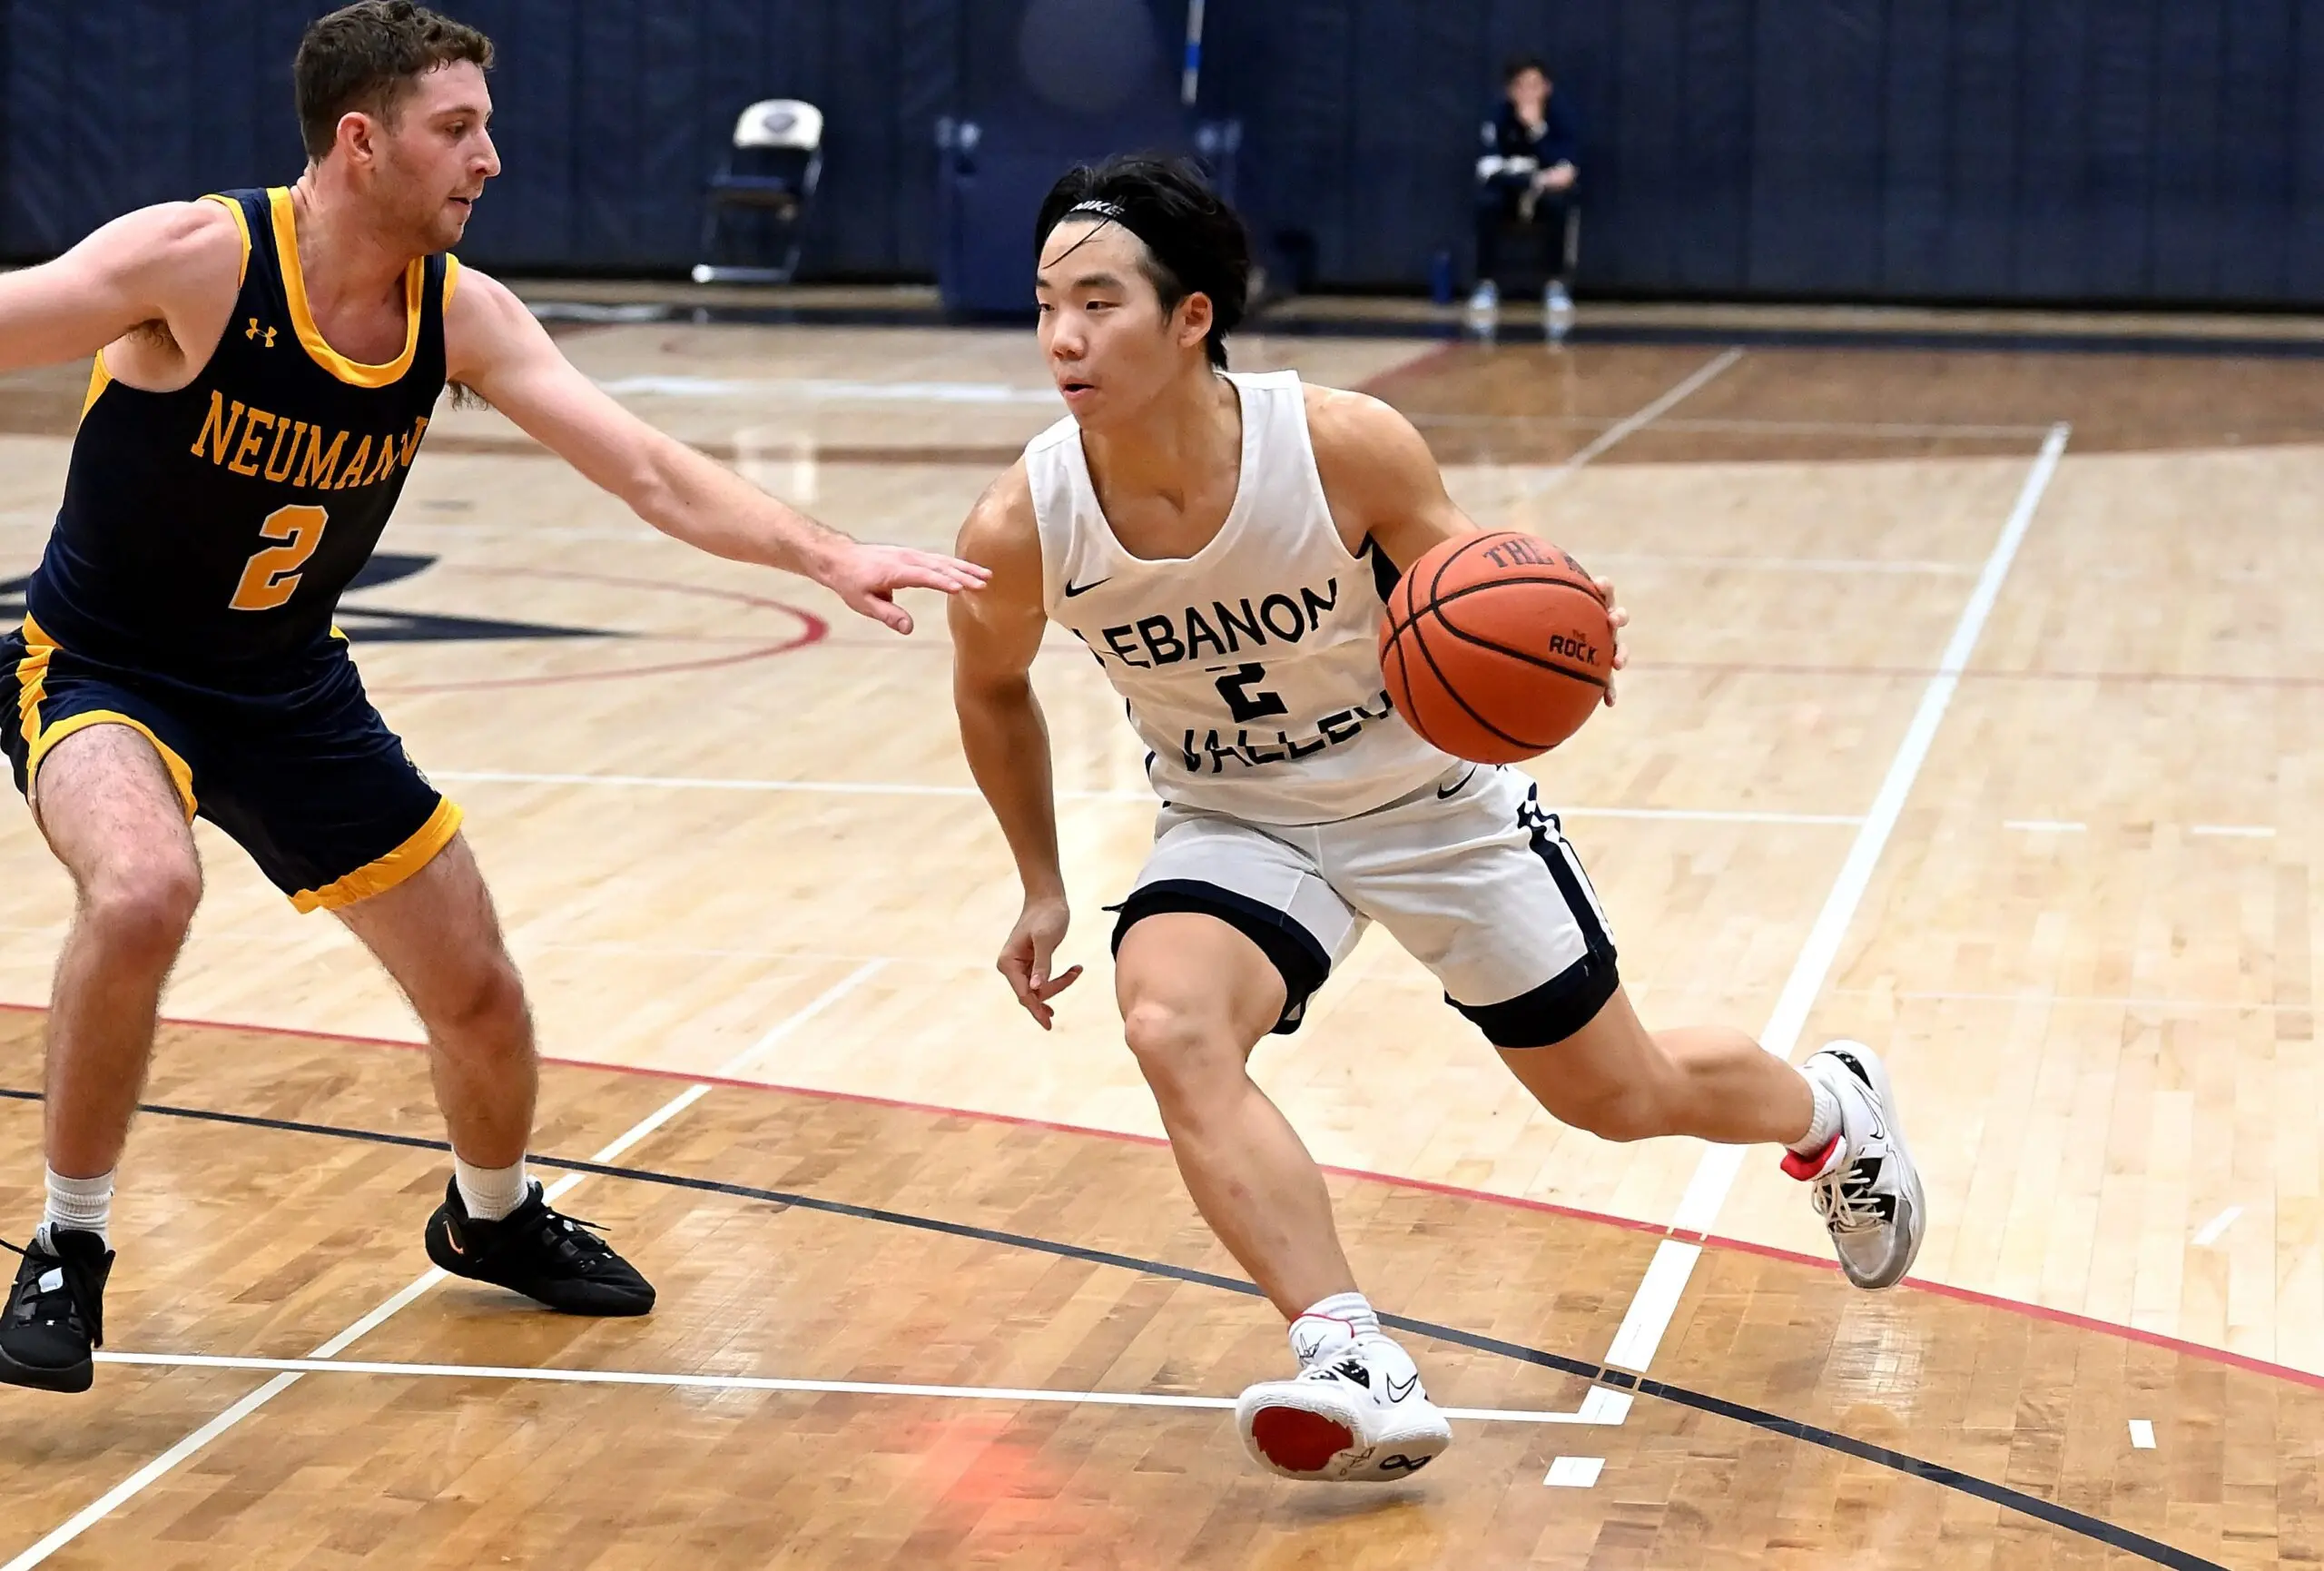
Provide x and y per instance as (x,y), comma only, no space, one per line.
(253,330)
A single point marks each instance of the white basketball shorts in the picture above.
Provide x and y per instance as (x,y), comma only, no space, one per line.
(1469,874)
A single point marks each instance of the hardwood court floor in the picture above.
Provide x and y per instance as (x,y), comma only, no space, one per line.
(731,838)
(1796,1420)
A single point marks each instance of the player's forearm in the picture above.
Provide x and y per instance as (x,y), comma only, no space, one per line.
(711,508)
(1007,745)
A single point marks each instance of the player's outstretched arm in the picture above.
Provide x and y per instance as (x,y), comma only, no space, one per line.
(178,265)
(996,633)
(1382,484)
(493,344)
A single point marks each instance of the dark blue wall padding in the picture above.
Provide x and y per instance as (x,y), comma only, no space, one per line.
(2121,151)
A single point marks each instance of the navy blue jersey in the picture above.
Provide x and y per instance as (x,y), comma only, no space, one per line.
(208,533)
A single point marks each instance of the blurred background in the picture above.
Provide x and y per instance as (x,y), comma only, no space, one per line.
(2051,151)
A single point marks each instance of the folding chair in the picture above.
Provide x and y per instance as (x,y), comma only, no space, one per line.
(772,169)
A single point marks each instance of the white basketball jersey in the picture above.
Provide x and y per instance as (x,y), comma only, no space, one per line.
(1251,669)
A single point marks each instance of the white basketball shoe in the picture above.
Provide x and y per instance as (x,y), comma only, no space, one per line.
(1356,1413)
(1866,1188)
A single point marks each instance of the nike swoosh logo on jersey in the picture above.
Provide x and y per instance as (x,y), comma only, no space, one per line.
(1073,590)
(1442,792)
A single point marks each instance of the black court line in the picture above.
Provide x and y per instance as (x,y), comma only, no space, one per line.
(2092,1527)
(1454,326)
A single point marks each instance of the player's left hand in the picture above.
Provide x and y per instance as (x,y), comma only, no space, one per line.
(1620,618)
(868,577)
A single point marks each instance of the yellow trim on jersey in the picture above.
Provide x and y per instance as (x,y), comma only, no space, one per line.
(379,877)
(242,222)
(31,672)
(31,677)
(100,379)
(294,287)
(181,774)
(452,278)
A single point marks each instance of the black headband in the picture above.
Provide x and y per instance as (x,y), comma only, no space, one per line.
(1115,213)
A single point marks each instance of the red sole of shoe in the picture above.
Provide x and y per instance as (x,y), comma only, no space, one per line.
(1298,1440)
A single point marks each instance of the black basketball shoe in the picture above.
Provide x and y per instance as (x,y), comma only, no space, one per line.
(552,1258)
(56,1311)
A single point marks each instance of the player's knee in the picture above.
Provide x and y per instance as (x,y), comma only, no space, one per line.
(1620,1113)
(1179,1050)
(142,907)
(485,1002)
(1618,1116)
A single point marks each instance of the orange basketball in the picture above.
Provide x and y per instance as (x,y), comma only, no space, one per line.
(1496,646)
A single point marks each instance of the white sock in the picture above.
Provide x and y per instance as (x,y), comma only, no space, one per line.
(1331,1324)
(1823,1124)
(489,1193)
(81,1204)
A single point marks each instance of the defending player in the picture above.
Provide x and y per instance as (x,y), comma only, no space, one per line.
(267,364)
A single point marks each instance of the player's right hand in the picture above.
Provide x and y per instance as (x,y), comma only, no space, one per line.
(867,578)
(1025,958)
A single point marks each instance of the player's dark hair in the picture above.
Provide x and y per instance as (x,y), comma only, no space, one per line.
(1195,243)
(1518,64)
(369,57)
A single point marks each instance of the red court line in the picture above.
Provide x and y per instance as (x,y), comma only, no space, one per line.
(1372,383)
(813,630)
(1627,1224)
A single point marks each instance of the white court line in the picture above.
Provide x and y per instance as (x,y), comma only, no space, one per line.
(1648,1315)
(2213,1229)
(294,1370)
(2142,1434)
(1630,426)
(1655,1300)
(906,788)
(2235,831)
(1574,1472)
(1590,1412)
(2044,825)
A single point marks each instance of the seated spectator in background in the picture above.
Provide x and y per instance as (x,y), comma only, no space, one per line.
(1526,176)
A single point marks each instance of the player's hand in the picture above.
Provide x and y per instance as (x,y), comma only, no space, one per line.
(1025,958)
(868,577)
(1620,618)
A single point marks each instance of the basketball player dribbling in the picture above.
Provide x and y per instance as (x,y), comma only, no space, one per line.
(267,363)
(1219,541)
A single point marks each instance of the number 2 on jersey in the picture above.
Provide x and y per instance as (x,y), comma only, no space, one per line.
(271,577)
(1244,704)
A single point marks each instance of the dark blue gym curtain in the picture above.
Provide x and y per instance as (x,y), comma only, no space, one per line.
(2106,151)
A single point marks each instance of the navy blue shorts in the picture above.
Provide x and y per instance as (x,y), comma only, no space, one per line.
(310,781)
